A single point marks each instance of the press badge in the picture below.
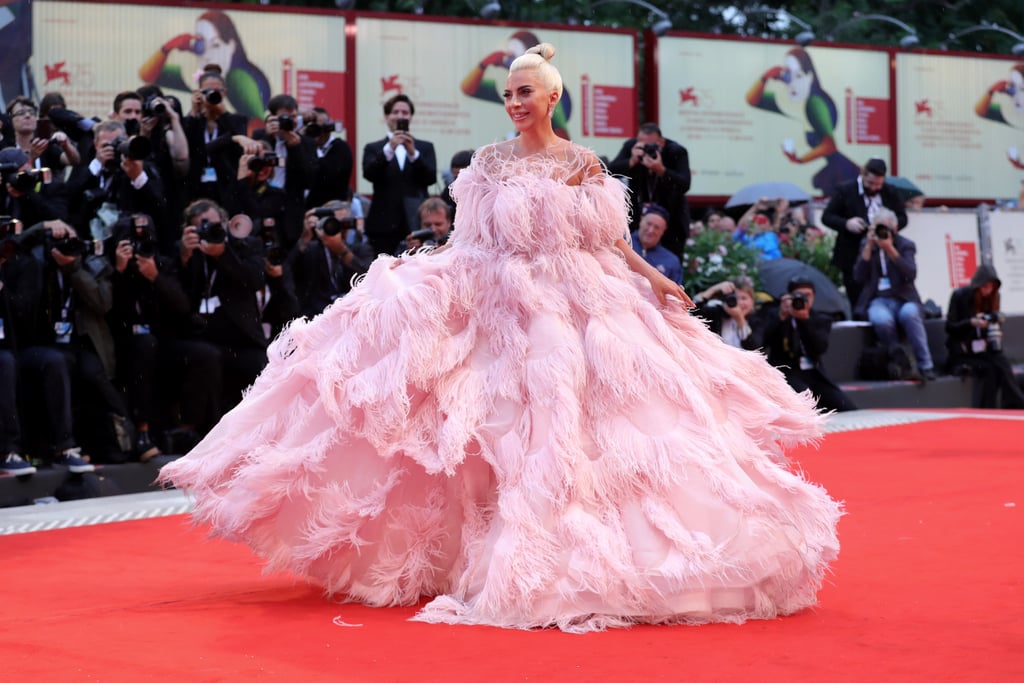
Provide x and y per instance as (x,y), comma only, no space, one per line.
(884,284)
(140,329)
(208,306)
(2,336)
(977,345)
(209,175)
(806,363)
(266,330)
(62,331)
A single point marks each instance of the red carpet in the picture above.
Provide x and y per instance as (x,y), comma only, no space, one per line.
(927,588)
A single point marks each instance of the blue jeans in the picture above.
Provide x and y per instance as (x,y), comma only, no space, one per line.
(884,312)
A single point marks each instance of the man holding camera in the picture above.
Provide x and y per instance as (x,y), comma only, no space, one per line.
(332,166)
(118,179)
(659,173)
(251,193)
(222,269)
(45,146)
(974,337)
(795,337)
(295,154)
(330,252)
(402,169)
(850,211)
(435,227)
(216,139)
(26,193)
(885,272)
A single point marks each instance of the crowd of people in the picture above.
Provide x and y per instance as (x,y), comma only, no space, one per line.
(149,257)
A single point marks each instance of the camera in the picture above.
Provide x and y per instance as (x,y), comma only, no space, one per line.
(211,233)
(882,232)
(25,181)
(272,249)
(212,95)
(143,236)
(424,235)
(73,246)
(154,106)
(730,300)
(333,226)
(651,149)
(798,301)
(286,122)
(268,160)
(136,148)
(402,125)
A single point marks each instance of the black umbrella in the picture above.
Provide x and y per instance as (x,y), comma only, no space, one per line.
(749,195)
(776,274)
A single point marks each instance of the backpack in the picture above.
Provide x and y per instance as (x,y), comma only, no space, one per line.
(878,362)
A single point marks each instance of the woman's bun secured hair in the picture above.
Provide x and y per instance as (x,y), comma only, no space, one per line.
(545,50)
(538,58)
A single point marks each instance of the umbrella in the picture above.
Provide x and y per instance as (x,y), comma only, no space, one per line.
(906,189)
(776,274)
(772,190)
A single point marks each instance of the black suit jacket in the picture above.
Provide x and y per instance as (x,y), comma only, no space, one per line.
(847,203)
(149,199)
(331,177)
(669,190)
(396,192)
(222,153)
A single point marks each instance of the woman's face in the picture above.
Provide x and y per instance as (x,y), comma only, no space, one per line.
(215,49)
(800,81)
(527,101)
(987,289)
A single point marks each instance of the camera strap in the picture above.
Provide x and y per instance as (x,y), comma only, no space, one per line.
(884,284)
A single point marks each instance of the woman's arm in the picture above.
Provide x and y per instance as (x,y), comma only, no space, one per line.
(662,286)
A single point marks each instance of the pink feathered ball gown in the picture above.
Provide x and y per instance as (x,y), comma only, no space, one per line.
(517,429)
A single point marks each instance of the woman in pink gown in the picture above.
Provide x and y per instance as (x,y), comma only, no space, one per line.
(525,425)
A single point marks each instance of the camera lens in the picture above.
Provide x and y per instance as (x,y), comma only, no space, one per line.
(651,149)
(731,301)
(213,96)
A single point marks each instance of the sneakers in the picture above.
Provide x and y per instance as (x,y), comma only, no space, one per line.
(73,460)
(145,449)
(928,375)
(15,465)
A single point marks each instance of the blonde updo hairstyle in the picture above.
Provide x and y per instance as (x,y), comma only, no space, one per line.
(538,58)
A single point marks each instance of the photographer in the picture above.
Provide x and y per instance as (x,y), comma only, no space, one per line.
(45,146)
(222,269)
(435,227)
(71,319)
(728,310)
(161,124)
(885,272)
(296,154)
(216,139)
(117,180)
(149,308)
(330,252)
(658,170)
(27,193)
(756,228)
(252,194)
(276,302)
(974,337)
(331,177)
(795,337)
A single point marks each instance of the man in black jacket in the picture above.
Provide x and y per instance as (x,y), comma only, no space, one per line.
(659,172)
(795,338)
(851,210)
(402,169)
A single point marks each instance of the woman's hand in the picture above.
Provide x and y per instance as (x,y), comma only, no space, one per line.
(664,288)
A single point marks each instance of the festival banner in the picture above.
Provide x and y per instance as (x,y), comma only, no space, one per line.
(754,111)
(89,52)
(948,251)
(455,74)
(960,122)
(1008,258)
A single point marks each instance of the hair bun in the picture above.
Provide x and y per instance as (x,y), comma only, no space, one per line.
(545,50)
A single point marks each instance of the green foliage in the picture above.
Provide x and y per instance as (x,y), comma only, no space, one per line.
(712,256)
(814,248)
